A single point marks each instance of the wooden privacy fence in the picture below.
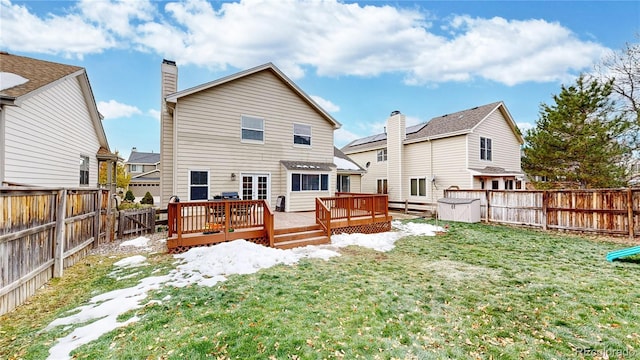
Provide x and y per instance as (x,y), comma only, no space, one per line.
(139,221)
(42,232)
(603,211)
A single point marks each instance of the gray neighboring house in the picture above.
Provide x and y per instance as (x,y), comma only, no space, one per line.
(144,168)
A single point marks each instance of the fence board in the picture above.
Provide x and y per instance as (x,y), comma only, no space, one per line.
(43,231)
(601,211)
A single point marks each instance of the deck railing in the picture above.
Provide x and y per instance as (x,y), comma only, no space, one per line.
(352,209)
(217,216)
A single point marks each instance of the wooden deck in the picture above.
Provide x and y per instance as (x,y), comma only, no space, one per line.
(204,223)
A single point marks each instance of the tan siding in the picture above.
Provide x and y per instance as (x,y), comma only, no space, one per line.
(418,165)
(209,133)
(449,164)
(376,170)
(41,138)
(505,145)
(355,184)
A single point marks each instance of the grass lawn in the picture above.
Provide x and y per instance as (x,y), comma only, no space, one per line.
(477,292)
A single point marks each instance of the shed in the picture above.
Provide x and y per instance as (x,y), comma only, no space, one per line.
(462,210)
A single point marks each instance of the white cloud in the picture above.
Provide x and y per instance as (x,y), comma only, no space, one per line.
(154,114)
(69,35)
(342,137)
(326,104)
(524,126)
(329,37)
(113,109)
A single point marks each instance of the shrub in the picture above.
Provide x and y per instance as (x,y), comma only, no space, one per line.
(129,196)
(147,199)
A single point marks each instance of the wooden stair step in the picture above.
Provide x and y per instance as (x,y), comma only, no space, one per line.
(298,236)
(319,240)
(297,229)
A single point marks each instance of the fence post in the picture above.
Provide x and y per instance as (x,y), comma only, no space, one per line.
(545,201)
(488,197)
(406,206)
(96,221)
(630,213)
(58,255)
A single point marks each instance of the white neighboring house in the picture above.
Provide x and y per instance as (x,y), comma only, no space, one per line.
(51,133)
(144,168)
(477,148)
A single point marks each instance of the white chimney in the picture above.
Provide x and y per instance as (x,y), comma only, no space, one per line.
(396,134)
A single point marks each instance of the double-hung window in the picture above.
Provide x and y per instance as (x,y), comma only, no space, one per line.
(135,168)
(309,182)
(302,134)
(382,155)
(84,170)
(418,187)
(198,185)
(252,129)
(485,149)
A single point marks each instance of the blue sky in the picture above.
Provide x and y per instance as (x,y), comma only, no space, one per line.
(359,60)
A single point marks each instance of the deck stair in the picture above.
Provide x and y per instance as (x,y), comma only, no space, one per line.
(299,236)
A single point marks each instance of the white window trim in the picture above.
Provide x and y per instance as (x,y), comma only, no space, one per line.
(418,186)
(267,174)
(385,156)
(485,149)
(249,141)
(138,166)
(328,174)
(82,157)
(208,184)
(382,179)
(310,136)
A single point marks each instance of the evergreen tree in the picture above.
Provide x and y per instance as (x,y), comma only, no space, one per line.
(577,139)
(147,199)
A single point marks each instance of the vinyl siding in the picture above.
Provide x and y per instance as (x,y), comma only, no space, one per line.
(418,165)
(376,170)
(449,164)
(504,144)
(41,146)
(355,184)
(209,134)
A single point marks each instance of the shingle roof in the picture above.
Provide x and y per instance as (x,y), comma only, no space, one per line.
(137,157)
(438,127)
(38,72)
(337,153)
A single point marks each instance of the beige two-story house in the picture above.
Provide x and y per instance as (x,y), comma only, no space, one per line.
(477,148)
(254,132)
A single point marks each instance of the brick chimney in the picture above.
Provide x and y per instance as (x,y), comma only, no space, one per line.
(396,134)
(168,85)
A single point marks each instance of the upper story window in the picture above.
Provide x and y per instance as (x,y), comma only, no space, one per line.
(84,170)
(198,185)
(485,149)
(302,134)
(382,155)
(135,168)
(252,129)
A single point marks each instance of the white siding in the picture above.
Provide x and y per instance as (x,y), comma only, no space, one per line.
(209,135)
(42,138)
(504,144)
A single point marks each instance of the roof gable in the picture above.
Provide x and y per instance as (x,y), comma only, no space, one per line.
(137,157)
(173,98)
(42,75)
(458,123)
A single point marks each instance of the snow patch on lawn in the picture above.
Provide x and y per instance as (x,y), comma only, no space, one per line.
(204,266)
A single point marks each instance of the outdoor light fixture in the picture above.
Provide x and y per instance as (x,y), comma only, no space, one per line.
(233,176)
